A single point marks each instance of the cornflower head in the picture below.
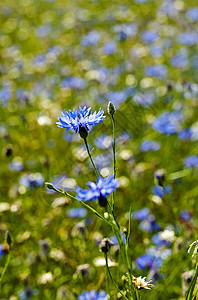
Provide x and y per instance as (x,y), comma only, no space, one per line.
(99,190)
(80,120)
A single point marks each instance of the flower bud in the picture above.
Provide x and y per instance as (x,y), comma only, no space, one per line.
(8,238)
(111,109)
(49,185)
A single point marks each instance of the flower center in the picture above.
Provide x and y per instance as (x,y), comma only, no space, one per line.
(83,132)
(102,201)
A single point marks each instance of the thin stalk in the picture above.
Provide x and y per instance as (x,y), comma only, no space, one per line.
(87,147)
(107,282)
(113,146)
(4,269)
(106,259)
(61,191)
(114,158)
(124,249)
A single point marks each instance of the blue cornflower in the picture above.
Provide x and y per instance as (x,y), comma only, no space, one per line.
(93,295)
(185,215)
(168,122)
(149,224)
(92,38)
(99,190)
(148,145)
(192,13)
(150,36)
(80,120)
(141,214)
(156,71)
(191,161)
(180,60)
(188,38)
(185,134)
(144,99)
(77,212)
(158,190)
(31,180)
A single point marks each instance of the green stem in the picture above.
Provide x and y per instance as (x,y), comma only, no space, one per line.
(87,147)
(61,191)
(4,269)
(124,249)
(114,158)
(107,282)
(106,259)
(113,146)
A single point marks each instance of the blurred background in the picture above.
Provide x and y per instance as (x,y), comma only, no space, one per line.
(56,55)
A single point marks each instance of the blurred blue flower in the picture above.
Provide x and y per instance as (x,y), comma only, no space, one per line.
(114,239)
(103,142)
(188,38)
(191,161)
(167,189)
(148,260)
(80,120)
(158,190)
(153,258)
(22,94)
(149,224)
(156,71)
(43,30)
(16,165)
(168,122)
(5,93)
(124,137)
(92,38)
(156,51)
(27,293)
(77,212)
(103,161)
(73,82)
(145,99)
(148,145)
(125,30)
(1,250)
(141,1)
(39,61)
(180,60)
(31,180)
(158,241)
(185,215)
(185,134)
(109,48)
(150,36)
(93,295)
(192,13)
(141,214)
(99,190)
(119,96)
